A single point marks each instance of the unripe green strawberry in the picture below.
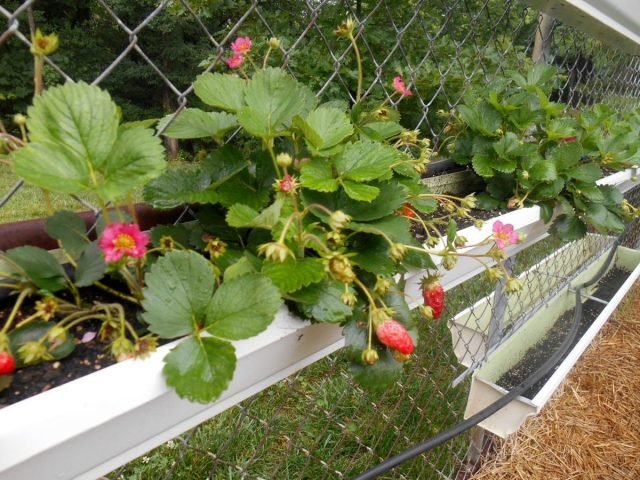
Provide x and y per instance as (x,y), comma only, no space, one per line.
(395,336)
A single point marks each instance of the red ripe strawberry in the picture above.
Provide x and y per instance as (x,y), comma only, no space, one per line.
(433,295)
(395,336)
(7,363)
(407,211)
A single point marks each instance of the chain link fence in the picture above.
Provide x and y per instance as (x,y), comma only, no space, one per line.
(317,423)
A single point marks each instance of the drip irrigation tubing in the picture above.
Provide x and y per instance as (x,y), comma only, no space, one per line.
(518,390)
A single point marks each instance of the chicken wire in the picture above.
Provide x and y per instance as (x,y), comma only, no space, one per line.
(317,423)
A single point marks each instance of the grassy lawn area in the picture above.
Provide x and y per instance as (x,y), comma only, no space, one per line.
(29,202)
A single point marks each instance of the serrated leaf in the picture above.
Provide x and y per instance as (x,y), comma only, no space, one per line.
(360,191)
(79,116)
(483,118)
(560,128)
(77,147)
(566,156)
(546,211)
(379,376)
(394,227)
(180,186)
(612,196)
(543,171)
(424,205)
(90,267)
(195,123)
(391,197)
(200,369)
(365,160)
(178,290)
(485,201)
(547,191)
(70,230)
(223,163)
(243,188)
(483,165)
(272,99)
(317,174)
(219,90)
(239,268)
(39,266)
(329,126)
(321,301)
(381,131)
(569,227)
(242,216)
(372,254)
(506,146)
(242,307)
(293,275)
(587,172)
(603,220)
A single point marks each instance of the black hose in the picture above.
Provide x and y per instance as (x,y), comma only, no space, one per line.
(505,400)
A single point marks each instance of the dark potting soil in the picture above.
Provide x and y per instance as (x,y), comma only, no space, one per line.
(86,357)
(541,351)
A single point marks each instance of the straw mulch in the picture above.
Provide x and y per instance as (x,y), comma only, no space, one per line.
(591,429)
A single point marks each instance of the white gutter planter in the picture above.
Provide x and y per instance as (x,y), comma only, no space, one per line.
(484,387)
(92,425)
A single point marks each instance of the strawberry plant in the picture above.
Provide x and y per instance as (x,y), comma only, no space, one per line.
(533,151)
(311,204)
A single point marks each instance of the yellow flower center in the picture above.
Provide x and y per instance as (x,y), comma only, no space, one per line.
(124,242)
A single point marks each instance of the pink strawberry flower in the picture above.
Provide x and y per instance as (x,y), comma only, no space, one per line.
(504,235)
(241,46)
(123,239)
(392,334)
(400,87)
(235,62)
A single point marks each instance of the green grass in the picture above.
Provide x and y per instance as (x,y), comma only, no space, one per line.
(29,201)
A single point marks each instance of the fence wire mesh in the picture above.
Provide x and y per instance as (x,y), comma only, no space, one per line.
(317,423)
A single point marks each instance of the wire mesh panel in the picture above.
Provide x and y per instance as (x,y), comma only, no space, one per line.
(317,423)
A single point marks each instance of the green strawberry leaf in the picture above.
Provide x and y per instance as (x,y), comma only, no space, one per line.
(366,160)
(317,174)
(587,172)
(360,191)
(566,156)
(325,127)
(76,146)
(379,376)
(293,275)
(200,369)
(239,268)
(178,187)
(603,220)
(38,266)
(272,99)
(321,301)
(195,123)
(543,171)
(243,216)
(242,307)
(222,91)
(483,164)
(90,267)
(568,227)
(69,229)
(177,293)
